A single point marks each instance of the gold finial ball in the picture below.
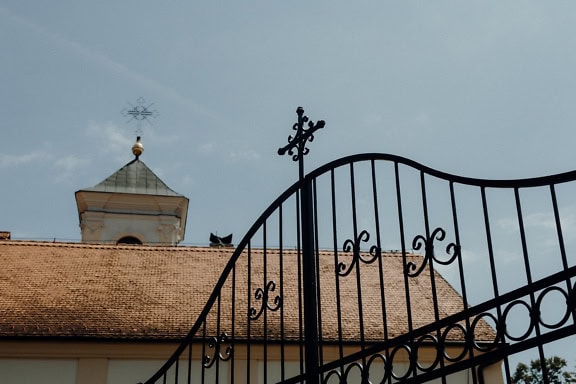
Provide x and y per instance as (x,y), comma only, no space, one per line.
(137,148)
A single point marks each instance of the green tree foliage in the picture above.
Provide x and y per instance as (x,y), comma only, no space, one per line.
(532,374)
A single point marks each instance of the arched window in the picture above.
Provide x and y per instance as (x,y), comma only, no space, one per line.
(129,240)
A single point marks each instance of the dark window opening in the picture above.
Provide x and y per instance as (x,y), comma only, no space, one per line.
(129,240)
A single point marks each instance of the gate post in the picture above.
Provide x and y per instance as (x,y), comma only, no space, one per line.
(309,278)
(309,284)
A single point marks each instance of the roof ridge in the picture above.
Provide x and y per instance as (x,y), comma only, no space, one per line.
(176,249)
(59,244)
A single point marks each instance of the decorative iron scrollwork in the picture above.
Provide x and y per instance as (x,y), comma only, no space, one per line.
(216,343)
(354,247)
(302,136)
(263,295)
(412,270)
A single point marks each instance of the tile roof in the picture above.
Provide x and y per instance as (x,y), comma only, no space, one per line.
(134,177)
(156,293)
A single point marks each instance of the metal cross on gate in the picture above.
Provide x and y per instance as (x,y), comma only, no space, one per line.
(309,273)
(299,140)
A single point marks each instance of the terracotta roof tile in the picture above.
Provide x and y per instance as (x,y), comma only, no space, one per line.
(139,292)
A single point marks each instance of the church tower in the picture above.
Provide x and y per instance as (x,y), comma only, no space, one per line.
(132,206)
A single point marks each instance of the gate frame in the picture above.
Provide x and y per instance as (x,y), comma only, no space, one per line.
(500,349)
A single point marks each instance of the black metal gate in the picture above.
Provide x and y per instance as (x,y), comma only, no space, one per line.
(375,268)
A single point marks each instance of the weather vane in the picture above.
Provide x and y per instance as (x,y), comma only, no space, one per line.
(139,113)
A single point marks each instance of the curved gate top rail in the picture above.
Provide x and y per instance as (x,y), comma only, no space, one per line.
(559,178)
(375,268)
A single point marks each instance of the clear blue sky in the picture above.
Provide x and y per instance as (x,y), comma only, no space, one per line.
(476,88)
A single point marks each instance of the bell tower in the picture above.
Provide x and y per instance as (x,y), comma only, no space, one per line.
(133,206)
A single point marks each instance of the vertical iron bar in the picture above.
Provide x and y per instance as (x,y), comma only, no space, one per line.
(177,365)
(233,328)
(468,342)
(248,327)
(431,265)
(264,303)
(529,281)
(403,244)
(216,349)
(494,276)
(309,284)
(318,288)
(404,256)
(204,338)
(380,261)
(559,228)
(561,240)
(424,204)
(189,363)
(300,290)
(357,266)
(336,278)
(281,261)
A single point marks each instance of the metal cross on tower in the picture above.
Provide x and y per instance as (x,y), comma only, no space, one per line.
(139,113)
(309,273)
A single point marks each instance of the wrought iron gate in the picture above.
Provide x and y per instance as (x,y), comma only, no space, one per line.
(375,268)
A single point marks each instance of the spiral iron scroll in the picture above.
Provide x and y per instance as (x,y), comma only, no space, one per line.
(216,343)
(412,270)
(262,295)
(354,247)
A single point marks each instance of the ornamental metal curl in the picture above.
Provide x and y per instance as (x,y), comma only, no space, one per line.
(444,341)
(411,361)
(298,141)
(216,344)
(354,247)
(399,351)
(423,343)
(428,243)
(263,295)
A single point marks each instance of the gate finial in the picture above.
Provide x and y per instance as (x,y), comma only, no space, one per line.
(299,140)
(309,275)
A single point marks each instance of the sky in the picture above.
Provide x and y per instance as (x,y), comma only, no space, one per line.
(478,88)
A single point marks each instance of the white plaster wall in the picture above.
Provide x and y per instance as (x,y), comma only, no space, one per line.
(34,371)
(377,370)
(274,373)
(122,371)
(132,371)
(150,229)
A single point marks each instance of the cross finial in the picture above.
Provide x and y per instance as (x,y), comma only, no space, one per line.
(139,113)
(303,135)
(298,141)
